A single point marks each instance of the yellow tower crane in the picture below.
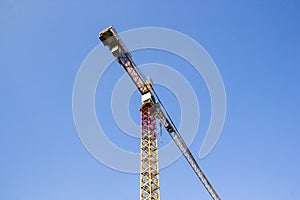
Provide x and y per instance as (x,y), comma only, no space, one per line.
(151,109)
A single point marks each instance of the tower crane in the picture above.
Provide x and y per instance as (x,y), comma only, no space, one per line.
(152,109)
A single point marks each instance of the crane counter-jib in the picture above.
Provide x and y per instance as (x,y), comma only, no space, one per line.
(110,38)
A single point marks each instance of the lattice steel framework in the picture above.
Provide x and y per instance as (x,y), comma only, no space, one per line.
(149,175)
(149,187)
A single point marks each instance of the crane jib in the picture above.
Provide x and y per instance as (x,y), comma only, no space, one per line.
(110,38)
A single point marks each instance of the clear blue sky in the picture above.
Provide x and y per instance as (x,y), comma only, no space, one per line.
(255,44)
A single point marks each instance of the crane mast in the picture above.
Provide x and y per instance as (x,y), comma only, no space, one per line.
(152,108)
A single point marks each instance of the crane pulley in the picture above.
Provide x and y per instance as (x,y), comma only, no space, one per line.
(110,39)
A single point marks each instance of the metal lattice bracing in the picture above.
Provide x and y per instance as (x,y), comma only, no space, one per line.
(149,174)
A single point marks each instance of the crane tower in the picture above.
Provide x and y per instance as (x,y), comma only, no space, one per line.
(149,174)
(151,110)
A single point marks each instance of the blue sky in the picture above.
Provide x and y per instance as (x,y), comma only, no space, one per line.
(255,45)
